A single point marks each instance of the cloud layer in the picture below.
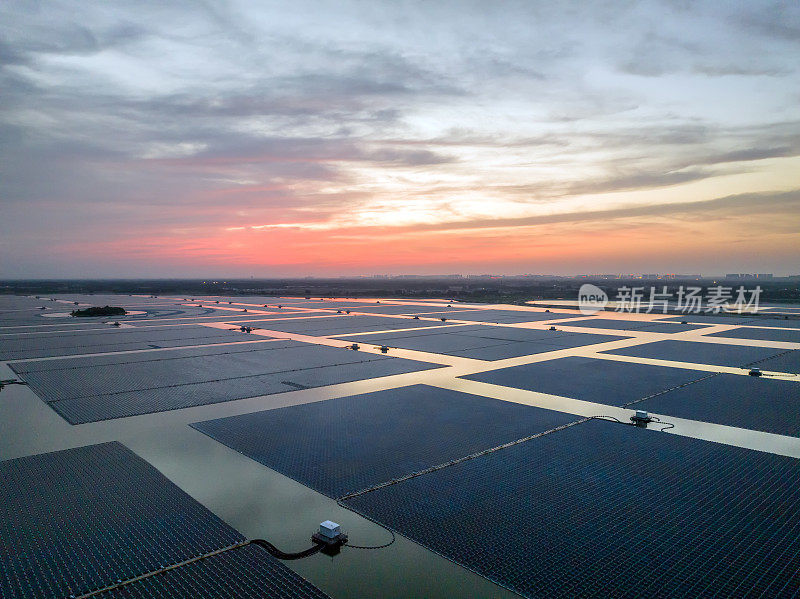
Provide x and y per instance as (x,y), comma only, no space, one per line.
(233,138)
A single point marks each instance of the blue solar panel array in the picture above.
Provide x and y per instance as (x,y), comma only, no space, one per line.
(75,520)
(771,334)
(62,343)
(590,379)
(709,319)
(350,443)
(245,573)
(502,316)
(343,325)
(762,404)
(788,361)
(483,342)
(701,353)
(605,510)
(634,325)
(99,388)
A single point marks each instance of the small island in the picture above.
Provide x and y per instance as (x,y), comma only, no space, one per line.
(98,311)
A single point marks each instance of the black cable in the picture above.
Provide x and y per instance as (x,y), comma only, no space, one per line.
(275,552)
(341,503)
(607,418)
(668,426)
(394,538)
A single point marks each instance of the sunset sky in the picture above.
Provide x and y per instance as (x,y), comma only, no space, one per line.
(191,138)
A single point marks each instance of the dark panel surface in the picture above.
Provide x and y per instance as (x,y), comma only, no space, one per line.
(107,387)
(350,443)
(788,361)
(762,404)
(343,324)
(606,510)
(792,336)
(404,309)
(791,323)
(246,573)
(709,319)
(633,325)
(483,342)
(601,381)
(700,353)
(46,344)
(76,520)
(504,316)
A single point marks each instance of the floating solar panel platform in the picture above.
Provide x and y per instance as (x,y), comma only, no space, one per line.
(772,334)
(483,342)
(605,510)
(788,361)
(99,388)
(343,325)
(343,445)
(525,348)
(790,323)
(590,379)
(249,343)
(701,353)
(633,325)
(709,319)
(503,316)
(76,520)
(244,573)
(409,309)
(757,403)
(275,314)
(442,342)
(62,343)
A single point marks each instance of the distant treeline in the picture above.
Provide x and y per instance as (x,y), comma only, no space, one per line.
(482,290)
(100,311)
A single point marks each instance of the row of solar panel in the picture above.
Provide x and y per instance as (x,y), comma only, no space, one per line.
(61,343)
(594,509)
(77,520)
(109,387)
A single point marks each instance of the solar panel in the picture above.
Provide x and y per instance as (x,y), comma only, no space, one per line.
(484,342)
(775,321)
(772,334)
(514,350)
(245,345)
(590,379)
(408,334)
(346,444)
(633,325)
(709,319)
(245,573)
(345,324)
(442,343)
(504,316)
(102,389)
(73,521)
(110,340)
(404,309)
(762,404)
(788,361)
(700,353)
(605,510)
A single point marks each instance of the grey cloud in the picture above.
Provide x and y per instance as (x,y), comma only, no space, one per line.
(752,154)
(742,204)
(638,181)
